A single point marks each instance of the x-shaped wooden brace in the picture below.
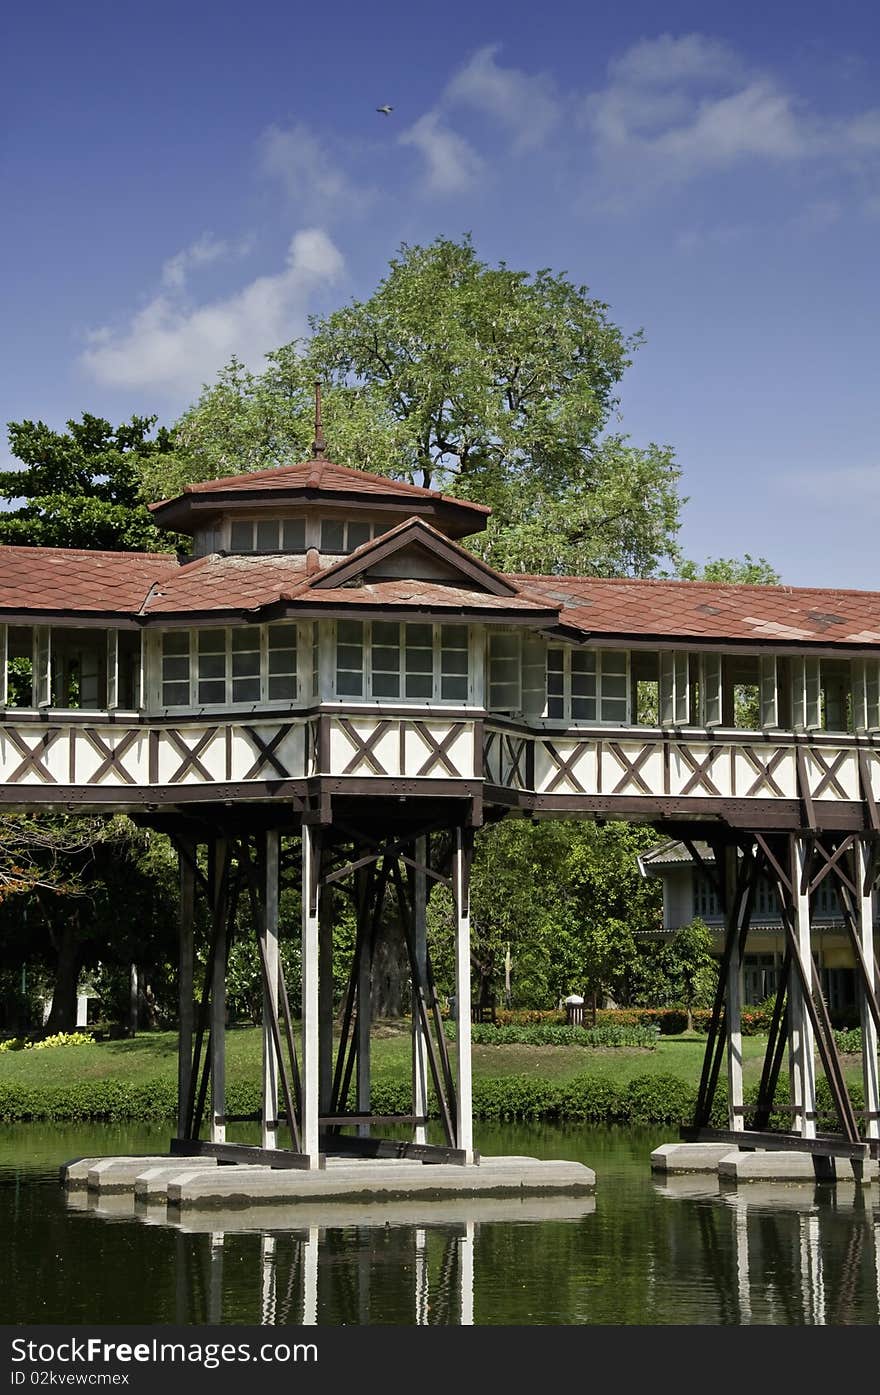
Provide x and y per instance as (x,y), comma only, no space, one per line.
(111,755)
(33,755)
(631,768)
(266,753)
(764,770)
(190,754)
(493,738)
(832,862)
(700,779)
(438,749)
(516,748)
(830,775)
(364,747)
(564,767)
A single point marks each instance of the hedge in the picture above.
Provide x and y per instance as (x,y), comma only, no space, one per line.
(557,1034)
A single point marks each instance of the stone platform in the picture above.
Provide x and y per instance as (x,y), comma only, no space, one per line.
(735,1165)
(165,1189)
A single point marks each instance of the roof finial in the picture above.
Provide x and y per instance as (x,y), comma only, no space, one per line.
(318,445)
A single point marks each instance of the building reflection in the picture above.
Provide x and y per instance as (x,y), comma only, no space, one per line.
(786,1255)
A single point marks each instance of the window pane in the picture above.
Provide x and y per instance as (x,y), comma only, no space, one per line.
(583,661)
(504,696)
(245,665)
(555,661)
(282,661)
(454,637)
(175,643)
(175,669)
(212,691)
(386,684)
(246,689)
(283,686)
(613,687)
(212,641)
(293,535)
(419,636)
(419,685)
(349,684)
(385,633)
(613,710)
(350,632)
(358,533)
(454,661)
(267,535)
(349,656)
(453,689)
(419,661)
(245,640)
(241,537)
(175,694)
(332,536)
(555,707)
(583,709)
(613,662)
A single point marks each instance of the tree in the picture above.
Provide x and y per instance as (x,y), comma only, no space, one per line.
(82,488)
(732,571)
(495,385)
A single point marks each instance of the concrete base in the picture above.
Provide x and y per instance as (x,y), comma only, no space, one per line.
(199,1184)
(688,1157)
(787,1166)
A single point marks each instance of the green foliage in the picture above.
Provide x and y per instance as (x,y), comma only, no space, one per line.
(82,488)
(484,1034)
(732,571)
(495,385)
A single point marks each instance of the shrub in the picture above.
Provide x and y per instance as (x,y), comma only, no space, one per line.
(557,1034)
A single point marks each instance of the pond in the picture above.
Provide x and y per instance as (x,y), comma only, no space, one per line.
(642,1251)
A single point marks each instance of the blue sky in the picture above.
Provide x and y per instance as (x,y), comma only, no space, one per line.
(186,181)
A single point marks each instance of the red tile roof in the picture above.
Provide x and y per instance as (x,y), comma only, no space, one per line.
(324,477)
(56,580)
(225,583)
(422,595)
(695,610)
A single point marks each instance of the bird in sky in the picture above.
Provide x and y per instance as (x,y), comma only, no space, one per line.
(386,110)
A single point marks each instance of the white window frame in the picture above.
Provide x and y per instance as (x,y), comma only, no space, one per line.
(253,524)
(375,529)
(675,688)
(866,694)
(710,689)
(263,701)
(513,640)
(437,675)
(806,693)
(600,655)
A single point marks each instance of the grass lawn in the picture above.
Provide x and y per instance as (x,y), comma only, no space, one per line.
(152,1055)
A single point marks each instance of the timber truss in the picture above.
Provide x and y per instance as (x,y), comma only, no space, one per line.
(232,874)
(795,865)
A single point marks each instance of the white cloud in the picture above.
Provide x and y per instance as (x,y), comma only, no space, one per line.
(676,108)
(452,165)
(205,250)
(836,489)
(317,186)
(174,346)
(526,104)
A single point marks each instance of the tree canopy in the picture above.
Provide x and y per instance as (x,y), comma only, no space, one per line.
(492,384)
(82,487)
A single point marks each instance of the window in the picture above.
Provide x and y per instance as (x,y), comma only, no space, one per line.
(707,906)
(268,535)
(391,659)
(866,694)
(245,664)
(341,535)
(588,685)
(505,671)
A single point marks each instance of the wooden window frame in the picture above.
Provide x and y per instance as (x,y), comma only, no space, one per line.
(567,651)
(192,655)
(437,675)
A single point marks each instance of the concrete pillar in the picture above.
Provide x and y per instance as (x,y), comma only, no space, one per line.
(865,929)
(467,1273)
(802,1060)
(310,1072)
(215,1286)
(420,1271)
(733,1001)
(268,1280)
(310,1278)
(419,1046)
(186,908)
(464,1127)
(218,995)
(269,933)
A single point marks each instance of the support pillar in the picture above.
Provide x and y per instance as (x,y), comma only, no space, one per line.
(186,960)
(801,1050)
(269,932)
(464,1128)
(736,908)
(869,1027)
(325,997)
(311,871)
(219,884)
(419,1045)
(371,914)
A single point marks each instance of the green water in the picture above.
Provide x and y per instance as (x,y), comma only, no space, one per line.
(640,1252)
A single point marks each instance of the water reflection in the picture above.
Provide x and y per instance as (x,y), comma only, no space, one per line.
(803,1254)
